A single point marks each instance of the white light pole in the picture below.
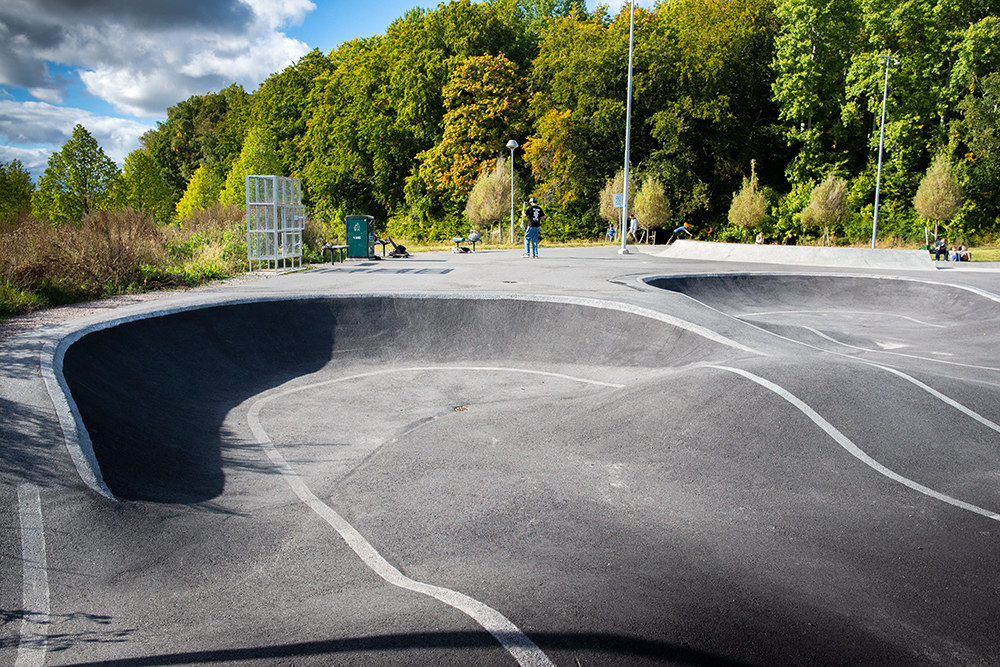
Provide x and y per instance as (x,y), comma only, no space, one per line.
(512,145)
(881,141)
(628,125)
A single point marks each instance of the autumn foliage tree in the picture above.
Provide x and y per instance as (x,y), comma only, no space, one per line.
(486,104)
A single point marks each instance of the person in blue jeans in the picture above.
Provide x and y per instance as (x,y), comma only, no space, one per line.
(535,214)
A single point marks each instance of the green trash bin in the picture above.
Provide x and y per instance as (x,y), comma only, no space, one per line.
(360,236)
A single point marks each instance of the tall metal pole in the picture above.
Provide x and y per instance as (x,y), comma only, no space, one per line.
(512,145)
(881,143)
(628,124)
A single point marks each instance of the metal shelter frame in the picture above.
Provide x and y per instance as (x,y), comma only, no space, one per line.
(275,221)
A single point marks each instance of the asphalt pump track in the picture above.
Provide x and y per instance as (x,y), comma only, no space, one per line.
(702,468)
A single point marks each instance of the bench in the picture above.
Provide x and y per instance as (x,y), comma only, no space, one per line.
(334,251)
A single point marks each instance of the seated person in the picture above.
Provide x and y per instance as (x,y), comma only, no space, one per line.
(940,247)
(964,255)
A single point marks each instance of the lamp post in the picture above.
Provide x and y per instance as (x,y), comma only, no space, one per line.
(628,125)
(512,145)
(881,141)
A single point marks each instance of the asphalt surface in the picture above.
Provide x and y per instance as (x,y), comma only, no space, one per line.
(583,459)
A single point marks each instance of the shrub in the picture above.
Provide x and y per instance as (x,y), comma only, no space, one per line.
(749,206)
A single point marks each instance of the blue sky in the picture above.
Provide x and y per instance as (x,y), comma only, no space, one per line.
(114,66)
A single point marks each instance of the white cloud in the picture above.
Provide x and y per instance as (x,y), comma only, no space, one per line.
(141,57)
(33,159)
(38,129)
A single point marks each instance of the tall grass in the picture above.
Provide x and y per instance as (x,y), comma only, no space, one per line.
(114,252)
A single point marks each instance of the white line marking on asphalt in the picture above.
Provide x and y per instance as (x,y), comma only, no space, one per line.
(938,395)
(853,449)
(35,583)
(697,329)
(510,637)
(840,312)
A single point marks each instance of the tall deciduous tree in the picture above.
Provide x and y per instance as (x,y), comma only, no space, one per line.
(811,56)
(202,191)
(78,180)
(143,188)
(258,157)
(195,134)
(486,104)
(15,189)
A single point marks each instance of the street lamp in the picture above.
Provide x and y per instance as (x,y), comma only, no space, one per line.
(881,140)
(628,125)
(512,145)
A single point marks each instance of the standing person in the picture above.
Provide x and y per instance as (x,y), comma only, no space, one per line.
(535,215)
(633,228)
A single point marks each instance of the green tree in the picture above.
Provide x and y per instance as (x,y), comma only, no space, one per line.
(812,53)
(78,180)
(143,188)
(258,157)
(281,104)
(710,102)
(930,39)
(198,131)
(202,192)
(16,189)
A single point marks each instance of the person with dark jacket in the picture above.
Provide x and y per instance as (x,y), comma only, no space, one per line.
(535,214)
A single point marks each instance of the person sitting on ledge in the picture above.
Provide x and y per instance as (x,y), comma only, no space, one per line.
(940,248)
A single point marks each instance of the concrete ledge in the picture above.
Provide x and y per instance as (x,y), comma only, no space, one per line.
(803,255)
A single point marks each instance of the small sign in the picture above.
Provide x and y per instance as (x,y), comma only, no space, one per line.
(618,199)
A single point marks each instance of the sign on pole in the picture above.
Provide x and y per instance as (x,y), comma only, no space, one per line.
(618,199)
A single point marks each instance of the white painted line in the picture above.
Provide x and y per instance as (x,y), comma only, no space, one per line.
(897,354)
(840,312)
(510,637)
(35,583)
(696,329)
(938,395)
(853,449)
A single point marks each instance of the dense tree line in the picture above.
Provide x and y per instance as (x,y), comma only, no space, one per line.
(403,125)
